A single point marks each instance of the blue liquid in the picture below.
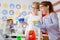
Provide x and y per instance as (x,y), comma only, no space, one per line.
(21,20)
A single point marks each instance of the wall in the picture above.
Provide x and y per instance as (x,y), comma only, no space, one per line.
(13,8)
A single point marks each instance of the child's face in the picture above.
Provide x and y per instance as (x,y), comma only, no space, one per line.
(34,9)
(10,22)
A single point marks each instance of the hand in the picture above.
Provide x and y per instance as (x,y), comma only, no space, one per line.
(39,24)
(42,25)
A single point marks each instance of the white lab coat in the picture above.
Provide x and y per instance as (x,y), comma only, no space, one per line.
(52,26)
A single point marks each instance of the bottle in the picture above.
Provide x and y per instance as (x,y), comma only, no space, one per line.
(31,35)
(18,38)
(21,19)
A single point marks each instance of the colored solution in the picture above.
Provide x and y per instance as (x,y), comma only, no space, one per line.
(21,20)
(18,38)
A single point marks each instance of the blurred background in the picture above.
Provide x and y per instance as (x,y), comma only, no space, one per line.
(11,9)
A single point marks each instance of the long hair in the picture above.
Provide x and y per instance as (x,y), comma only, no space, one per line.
(48,3)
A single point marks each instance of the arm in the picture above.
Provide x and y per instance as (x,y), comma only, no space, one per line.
(42,25)
(54,20)
(54,23)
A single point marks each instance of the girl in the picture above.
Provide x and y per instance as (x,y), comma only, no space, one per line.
(32,19)
(50,21)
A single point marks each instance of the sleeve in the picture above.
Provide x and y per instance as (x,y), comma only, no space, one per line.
(54,20)
(54,23)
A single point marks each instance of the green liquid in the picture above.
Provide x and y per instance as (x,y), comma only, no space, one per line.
(18,38)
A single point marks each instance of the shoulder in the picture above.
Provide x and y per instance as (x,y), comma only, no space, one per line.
(53,14)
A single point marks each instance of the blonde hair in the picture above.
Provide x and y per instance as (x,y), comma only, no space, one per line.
(36,4)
